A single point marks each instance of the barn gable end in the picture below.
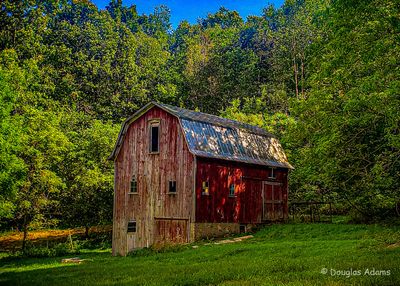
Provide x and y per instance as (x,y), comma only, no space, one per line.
(152,207)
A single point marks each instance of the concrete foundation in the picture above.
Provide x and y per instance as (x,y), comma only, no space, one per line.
(209,230)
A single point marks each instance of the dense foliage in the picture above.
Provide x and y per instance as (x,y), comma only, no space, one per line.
(322,75)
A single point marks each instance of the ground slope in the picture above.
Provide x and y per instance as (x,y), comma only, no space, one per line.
(293,254)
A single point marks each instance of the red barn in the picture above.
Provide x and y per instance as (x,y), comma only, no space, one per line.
(181,175)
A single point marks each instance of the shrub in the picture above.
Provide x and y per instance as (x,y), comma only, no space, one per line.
(59,249)
(97,241)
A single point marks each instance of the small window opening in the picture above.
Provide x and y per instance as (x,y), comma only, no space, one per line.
(172,187)
(133,189)
(205,187)
(132,226)
(272,174)
(242,228)
(232,190)
(154,137)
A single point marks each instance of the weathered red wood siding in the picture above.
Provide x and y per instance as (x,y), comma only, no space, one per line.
(153,171)
(247,205)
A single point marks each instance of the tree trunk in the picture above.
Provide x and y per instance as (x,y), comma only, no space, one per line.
(25,229)
(87,231)
(296,81)
(295,70)
(302,77)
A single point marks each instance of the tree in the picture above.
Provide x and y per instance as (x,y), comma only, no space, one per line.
(223,18)
(11,166)
(348,129)
(158,23)
(87,201)
(43,146)
(39,145)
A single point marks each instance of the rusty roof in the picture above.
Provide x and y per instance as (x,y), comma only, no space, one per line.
(212,119)
(220,138)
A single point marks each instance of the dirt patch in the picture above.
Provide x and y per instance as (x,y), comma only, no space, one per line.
(75,260)
(233,240)
(236,239)
(394,245)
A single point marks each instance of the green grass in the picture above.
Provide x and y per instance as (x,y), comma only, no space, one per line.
(292,254)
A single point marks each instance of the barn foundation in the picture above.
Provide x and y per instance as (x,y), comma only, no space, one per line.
(208,230)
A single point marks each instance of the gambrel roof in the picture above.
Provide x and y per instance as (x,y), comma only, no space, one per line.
(211,136)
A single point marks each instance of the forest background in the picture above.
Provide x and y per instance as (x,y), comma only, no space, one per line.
(323,76)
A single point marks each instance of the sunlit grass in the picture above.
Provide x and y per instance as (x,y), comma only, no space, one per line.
(277,255)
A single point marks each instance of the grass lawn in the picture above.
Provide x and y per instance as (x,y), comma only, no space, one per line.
(292,254)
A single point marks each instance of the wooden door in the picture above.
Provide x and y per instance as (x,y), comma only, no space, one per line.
(272,201)
(171,231)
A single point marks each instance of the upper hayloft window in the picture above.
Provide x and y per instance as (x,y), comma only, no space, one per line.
(172,187)
(154,137)
(272,174)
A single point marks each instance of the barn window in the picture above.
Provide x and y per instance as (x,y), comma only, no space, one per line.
(232,190)
(205,187)
(172,187)
(132,226)
(133,189)
(154,136)
(272,174)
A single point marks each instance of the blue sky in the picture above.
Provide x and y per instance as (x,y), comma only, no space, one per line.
(191,10)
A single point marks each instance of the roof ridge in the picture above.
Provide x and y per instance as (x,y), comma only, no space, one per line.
(234,123)
(254,146)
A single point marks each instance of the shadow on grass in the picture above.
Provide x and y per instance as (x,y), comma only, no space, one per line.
(47,273)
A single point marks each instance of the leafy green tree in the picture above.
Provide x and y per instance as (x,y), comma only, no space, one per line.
(346,140)
(11,166)
(255,112)
(223,18)
(158,23)
(87,201)
(40,144)
(216,70)
(126,15)
(43,148)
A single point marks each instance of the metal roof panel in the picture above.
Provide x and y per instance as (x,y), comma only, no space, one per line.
(216,137)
